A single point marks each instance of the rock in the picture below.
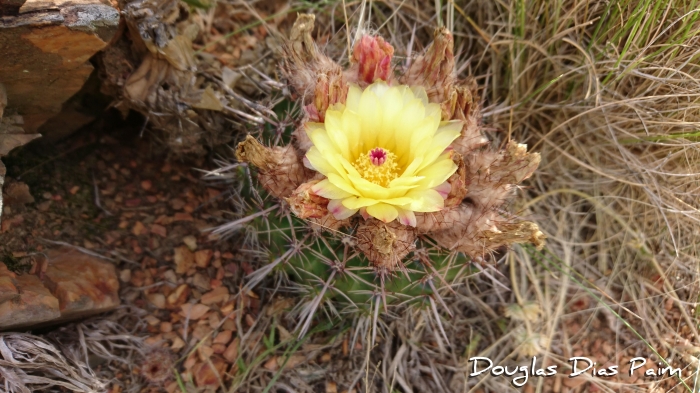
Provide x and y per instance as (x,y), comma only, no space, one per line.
(218,295)
(178,296)
(201,282)
(209,373)
(81,109)
(8,290)
(190,242)
(17,193)
(139,229)
(184,259)
(193,311)
(159,230)
(125,275)
(223,337)
(157,299)
(177,343)
(231,353)
(11,133)
(10,7)
(74,285)
(202,258)
(46,45)
(35,305)
(84,285)
(218,348)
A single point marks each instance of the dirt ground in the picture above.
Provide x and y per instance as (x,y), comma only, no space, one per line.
(115,195)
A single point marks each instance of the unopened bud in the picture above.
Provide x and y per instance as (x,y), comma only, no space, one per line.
(305,204)
(435,69)
(372,56)
(280,168)
(330,89)
(385,245)
(458,182)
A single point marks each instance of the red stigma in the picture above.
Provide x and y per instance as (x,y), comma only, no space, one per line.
(377,156)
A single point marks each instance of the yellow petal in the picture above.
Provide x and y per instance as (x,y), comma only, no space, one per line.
(320,139)
(336,133)
(349,169)
(370,119)
(379,88)
(433,109)
(443,189)
(391,107)
(340,212)
(425,201)
(440,141)
(383,212)
(413,167)
(437,173)
(318,159)
(350,122)
(328,190)
(420,93)
(406,217)
(370,190)
(353,100)
(423,135)
(309,126)
(356,203)
(318,162)
(410,181)
(397,201)
(342,183)
(406,122)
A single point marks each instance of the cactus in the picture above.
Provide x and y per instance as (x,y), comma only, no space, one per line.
(356,230)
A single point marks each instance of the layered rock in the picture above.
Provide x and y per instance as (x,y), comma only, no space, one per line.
(11,136)
(46,45)
(68,285)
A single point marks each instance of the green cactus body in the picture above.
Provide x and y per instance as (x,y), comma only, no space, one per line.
(354,284)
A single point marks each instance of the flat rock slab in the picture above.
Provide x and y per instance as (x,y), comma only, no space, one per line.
(73,285)
(46,46)
(82,284)
(8,290)
(35,305)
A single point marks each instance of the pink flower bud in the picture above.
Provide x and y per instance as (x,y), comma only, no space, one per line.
(372,56)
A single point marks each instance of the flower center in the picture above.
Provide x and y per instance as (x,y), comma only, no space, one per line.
(377,156)
(378,166)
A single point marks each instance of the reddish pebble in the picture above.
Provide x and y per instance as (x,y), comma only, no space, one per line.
(133,202)
(159,230)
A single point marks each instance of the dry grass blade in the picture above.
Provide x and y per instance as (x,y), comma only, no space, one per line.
(29,363)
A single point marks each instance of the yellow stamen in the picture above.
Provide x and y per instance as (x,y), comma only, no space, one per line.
(380,172)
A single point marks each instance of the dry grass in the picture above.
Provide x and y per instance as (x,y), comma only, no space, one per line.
(71,358)
(609,96)
(609,93)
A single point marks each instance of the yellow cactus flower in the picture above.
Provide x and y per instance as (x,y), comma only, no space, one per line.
(384,153)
